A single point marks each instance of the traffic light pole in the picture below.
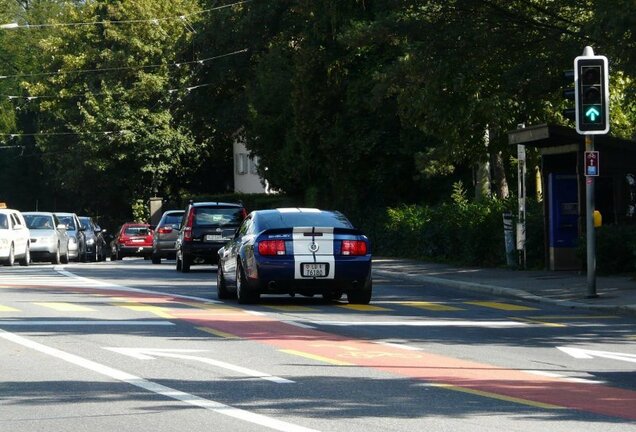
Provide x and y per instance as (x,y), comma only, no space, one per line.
(589,224)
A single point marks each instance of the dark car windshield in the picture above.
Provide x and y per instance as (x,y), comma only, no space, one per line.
(4,221)
(278,219)
(39,221)
(218,216)
(68,221)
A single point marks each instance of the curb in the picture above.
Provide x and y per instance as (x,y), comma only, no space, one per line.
(506,292)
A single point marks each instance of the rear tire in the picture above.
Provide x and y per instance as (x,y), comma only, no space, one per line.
(243,293)
(221,286)
(362,296)
(186,262)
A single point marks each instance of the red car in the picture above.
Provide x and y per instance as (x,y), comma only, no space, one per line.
(132,239)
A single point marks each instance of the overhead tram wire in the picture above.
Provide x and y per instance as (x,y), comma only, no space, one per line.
(88,93)
(183,17)
(114,69)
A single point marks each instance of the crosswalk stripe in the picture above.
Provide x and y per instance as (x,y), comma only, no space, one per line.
(289,308)
(501,306)
(363,308)
(65,307)
(8,309)
(433,306)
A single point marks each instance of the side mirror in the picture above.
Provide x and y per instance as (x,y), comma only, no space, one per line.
(61,227)
(18,227)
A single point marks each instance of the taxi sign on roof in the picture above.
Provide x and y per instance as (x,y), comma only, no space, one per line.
(3,205)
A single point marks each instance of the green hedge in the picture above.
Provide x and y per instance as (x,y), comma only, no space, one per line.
(615,249)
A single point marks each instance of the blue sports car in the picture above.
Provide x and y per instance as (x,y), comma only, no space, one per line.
(296,251)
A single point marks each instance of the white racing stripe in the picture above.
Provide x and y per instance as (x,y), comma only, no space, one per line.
(309,248)
(159,389)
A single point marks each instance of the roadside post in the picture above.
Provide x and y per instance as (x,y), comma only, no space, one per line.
(591,83)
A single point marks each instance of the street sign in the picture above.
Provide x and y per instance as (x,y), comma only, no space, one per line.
(591,82)
(591,163)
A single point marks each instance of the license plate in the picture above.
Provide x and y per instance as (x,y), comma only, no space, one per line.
(314,270)
(213,237)
(137,240)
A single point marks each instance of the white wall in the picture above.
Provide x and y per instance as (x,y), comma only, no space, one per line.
(246,178)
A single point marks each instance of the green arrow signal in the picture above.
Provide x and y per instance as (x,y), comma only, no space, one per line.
(592,113)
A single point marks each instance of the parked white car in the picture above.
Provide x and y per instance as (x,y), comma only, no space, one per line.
(49,240)
(15,238)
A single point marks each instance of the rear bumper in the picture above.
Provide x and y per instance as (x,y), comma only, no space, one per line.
(277,276)
(208,251)
(135,250)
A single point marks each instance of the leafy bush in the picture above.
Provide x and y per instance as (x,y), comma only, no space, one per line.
(458,232)
(615,249)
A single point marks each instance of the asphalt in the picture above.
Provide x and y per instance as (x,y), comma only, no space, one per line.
(615,294)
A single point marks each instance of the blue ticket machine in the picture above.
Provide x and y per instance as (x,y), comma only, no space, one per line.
(563,221)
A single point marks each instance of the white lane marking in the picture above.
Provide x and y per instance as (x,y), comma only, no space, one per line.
(580,353)
(151,354)
(84,323)
(153,387)
(95,284)
(425,323)
(398,345)
(556,375)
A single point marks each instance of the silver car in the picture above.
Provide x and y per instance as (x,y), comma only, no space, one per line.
(49,240)
(75,231)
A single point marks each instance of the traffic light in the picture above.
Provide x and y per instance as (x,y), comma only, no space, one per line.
(592,94)
(569,94)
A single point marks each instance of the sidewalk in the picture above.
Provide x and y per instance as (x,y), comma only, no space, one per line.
(617,294)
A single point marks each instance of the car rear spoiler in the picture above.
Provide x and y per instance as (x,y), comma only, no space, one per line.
(309,231)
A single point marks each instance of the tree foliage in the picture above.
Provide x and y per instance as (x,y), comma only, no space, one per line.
(344,103)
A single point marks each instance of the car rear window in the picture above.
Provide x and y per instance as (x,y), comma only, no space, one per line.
(172,219)
(303,219)
(4,221)
(137,230)
(218,216)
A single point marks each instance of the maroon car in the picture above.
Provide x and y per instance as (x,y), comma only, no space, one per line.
(132,239)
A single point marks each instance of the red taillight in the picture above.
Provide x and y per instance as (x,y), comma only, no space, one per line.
(123,239)
(271,247)
(243,213)
(354,247)
(187,230)
(165,230)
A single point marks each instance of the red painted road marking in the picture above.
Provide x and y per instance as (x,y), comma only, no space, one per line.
(478,377)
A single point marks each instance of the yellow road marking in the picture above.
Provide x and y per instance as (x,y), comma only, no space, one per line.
(289,308)
(316,357)
(363,308)
(65,307)
(501,306)
(140,307)
(497,396)
(8,309)
(434,306)
(217,333)
(545,323)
